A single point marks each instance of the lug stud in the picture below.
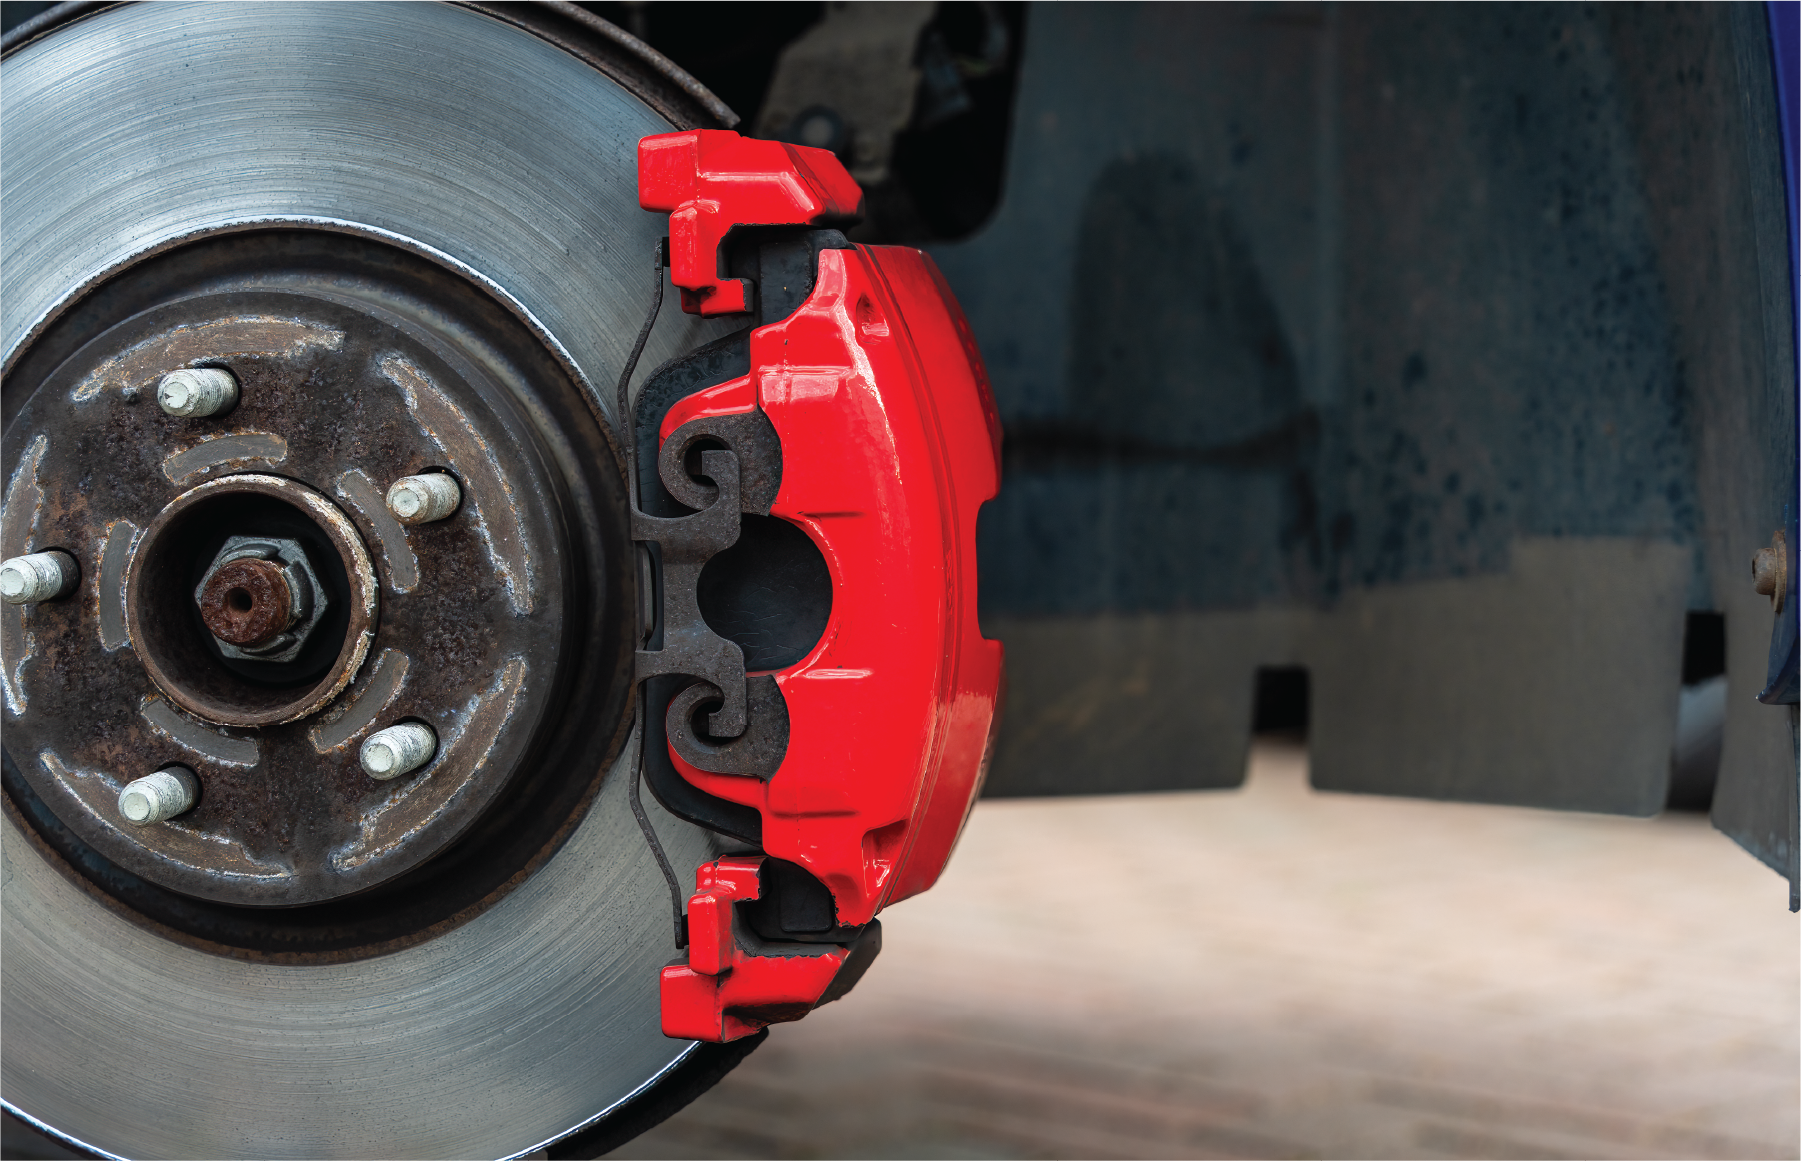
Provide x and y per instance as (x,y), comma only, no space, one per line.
(159,796)
(424,498)
(194,392)
(41,576)
(398,750)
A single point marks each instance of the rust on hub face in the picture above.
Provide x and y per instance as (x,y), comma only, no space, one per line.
(356,363)
(247,602)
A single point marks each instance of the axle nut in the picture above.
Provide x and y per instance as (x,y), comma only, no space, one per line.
(194,392)
(261,598)
(424,498)
(398,750)
(170,791)
(42,576)
(248,602)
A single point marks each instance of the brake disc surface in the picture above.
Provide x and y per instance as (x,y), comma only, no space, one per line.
(140,134)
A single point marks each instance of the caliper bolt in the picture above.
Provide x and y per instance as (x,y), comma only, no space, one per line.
(424,498)
(42,576)
(162,795)
(193,392)
(398,750)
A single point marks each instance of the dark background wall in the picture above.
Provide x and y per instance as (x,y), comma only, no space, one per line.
(1437,349)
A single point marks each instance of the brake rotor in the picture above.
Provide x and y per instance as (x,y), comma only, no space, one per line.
(411,236)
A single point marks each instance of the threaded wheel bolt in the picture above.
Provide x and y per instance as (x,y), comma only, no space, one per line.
(155,797)
(399,749)
(194,392)
(423,498)
(41,576)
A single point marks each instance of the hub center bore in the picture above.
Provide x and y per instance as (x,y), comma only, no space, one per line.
(272,643)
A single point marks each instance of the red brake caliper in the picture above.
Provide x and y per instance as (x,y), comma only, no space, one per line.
(889,444)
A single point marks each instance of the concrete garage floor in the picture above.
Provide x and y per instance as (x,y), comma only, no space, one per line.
(1279,973)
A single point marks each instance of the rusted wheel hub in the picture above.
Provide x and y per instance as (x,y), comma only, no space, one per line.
(252,610)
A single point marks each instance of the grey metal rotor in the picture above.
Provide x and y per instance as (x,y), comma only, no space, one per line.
(453,134)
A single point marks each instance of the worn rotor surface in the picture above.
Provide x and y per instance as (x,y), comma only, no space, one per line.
(134,139)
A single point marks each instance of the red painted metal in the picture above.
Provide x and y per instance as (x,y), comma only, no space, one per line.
(710,180)
(890,445)
(724,992)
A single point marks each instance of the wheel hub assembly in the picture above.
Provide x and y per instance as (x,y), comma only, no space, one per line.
(355,577)
(254,608)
